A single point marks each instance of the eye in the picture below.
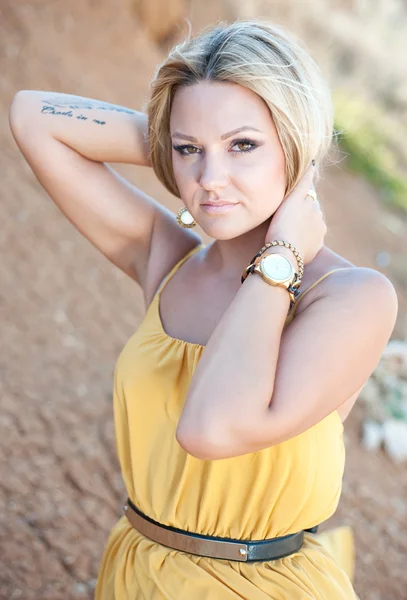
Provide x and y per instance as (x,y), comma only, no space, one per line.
(183,149)
(248,146)
(244,146)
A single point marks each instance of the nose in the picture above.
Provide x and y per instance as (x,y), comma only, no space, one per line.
(213,176)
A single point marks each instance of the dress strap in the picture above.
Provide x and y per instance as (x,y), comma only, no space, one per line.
(176,267)
(300,297)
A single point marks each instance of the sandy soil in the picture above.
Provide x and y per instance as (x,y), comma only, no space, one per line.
(66,313)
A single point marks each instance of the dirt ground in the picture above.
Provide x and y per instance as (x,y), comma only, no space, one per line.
(66,313)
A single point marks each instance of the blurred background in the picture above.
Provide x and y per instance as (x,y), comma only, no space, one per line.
(66,312)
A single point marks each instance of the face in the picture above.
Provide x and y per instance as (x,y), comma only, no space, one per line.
(215,162)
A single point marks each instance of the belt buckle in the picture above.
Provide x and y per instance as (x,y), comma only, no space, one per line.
(224,550)
(193,544)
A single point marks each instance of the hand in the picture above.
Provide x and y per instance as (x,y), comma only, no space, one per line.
(299,220)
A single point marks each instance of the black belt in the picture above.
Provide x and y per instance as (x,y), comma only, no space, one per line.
(214,547)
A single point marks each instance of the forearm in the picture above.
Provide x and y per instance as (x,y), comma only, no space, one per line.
(233,383)
(100,131)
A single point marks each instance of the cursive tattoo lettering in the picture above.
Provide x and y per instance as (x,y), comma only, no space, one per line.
(50,110)
(73,102)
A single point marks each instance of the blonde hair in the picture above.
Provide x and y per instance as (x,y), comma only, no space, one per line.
(263,58)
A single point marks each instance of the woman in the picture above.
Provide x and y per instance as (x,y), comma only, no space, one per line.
(229,399)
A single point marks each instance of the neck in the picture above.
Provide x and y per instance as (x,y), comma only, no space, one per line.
(229,257)
(232,256)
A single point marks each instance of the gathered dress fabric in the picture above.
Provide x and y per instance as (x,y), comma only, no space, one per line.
(279,490)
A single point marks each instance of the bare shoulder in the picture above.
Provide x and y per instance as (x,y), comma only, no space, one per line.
(361,298)
(335,276)
(362,290)
(368,288)
(356,281)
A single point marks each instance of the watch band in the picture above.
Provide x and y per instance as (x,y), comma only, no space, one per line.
(250,267)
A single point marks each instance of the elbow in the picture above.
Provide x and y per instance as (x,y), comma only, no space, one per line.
(212,443)
(16,110)
(200,443)
(192,442)
(209,436)
(22,120)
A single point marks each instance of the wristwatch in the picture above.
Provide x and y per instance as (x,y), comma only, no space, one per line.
(275,269)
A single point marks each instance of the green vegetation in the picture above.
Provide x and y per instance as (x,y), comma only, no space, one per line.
(376,146)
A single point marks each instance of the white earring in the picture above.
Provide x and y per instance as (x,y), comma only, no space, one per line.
(184,218)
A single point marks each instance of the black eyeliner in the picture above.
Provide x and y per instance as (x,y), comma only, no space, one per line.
(254,145)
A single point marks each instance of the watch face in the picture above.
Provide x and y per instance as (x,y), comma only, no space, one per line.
(277,267)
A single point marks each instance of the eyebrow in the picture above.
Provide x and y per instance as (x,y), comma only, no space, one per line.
(178,134)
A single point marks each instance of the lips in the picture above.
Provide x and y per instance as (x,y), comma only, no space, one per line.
(220,203)
(219,207)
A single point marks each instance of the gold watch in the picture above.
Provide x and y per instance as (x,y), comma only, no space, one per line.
(275,269)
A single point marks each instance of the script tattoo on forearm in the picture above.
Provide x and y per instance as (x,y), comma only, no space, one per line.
(52,106)
(50,110)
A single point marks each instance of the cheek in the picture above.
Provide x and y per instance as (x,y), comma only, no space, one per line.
(183,172)
(176,168)
(264,185)
(265,175)
(274,174)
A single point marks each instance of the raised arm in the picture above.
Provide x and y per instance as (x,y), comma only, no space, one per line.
(66,140)
(98,130)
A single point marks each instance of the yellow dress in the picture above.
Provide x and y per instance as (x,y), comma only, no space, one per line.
(276,491)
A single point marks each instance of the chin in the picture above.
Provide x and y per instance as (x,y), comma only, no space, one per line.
(224,228)
(222,231)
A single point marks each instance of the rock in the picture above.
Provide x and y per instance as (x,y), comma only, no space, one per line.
(395,439)
(70,341)
(81,390)
(403,407)
(60,316)
(372,435)
(79,589)
(370,391)
(374,398)
(395,354)
(403,390)
(390,381)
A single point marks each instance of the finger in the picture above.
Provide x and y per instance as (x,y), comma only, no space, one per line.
(309,176)
(302,186)
(306,182)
